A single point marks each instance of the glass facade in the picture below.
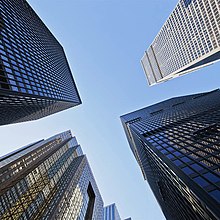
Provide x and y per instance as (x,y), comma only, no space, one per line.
(111,212)
(189,39)
(177,145)
(35,78)
(50,179)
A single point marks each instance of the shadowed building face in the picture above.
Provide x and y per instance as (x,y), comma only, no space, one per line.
(177,144)
(35,78)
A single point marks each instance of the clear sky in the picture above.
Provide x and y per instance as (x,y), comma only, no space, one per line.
(104,41)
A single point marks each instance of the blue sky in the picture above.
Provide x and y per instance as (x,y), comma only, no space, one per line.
(104,41)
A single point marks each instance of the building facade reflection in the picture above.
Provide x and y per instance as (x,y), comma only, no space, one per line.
(50,179)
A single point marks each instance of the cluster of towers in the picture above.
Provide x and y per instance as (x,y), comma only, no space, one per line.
(175,142)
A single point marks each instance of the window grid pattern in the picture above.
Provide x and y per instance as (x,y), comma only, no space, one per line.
(75,203)
(19,108)
(32,60)
(168,187)
(190,34)
(35,78)
(35,183)
(44,182)
(184,134)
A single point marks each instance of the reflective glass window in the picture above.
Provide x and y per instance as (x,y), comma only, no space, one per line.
(177,162)
(202,182)
(177,153)
(164,151)
(170,156)
(211,177)
(187,170)
(196,167)
(215,194)
(185,159)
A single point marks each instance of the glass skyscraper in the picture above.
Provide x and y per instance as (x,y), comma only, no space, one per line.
(189,40)
(49,179)
(35,78)
(111,212)
(177,146)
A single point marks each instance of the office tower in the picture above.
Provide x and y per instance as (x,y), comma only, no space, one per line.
(177,146)
(189,40)
(111,212)
(49,179)
(35,78)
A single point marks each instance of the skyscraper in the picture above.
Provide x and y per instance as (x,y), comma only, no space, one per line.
(111,212)
(35,78)
(177,146)
(189,40)
(49,179)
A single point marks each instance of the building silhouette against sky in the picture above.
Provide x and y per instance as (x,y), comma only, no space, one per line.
(49,179)
(177,146)
(111,212)
(35,78)
(189,40)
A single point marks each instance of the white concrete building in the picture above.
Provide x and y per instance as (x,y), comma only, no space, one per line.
(189,40)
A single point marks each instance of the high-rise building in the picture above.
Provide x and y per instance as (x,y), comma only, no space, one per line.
(177,146)
(111,212)
(35,78)
(49,179)
(189,40)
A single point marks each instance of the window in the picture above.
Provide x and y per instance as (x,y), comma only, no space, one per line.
(12,82)
(14,88)
(187,170)
(199,180)
(164,152)
(170,156)
(158,147)
(177,162)
(177,153)
(196,167)
(170,149)
(185,159)
(215,194)
(211,177)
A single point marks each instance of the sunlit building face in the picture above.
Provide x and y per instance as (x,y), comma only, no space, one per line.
(189,40)
(50,179)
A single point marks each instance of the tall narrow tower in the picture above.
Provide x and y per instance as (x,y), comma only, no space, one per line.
(111,212)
